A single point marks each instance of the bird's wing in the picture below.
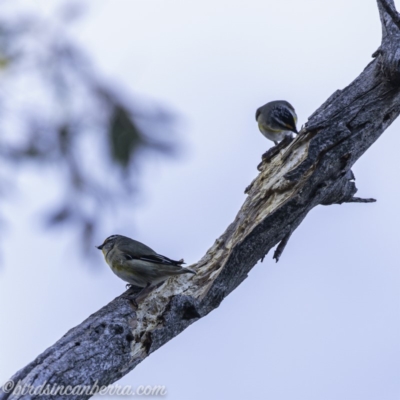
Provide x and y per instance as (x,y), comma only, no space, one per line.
(127,244)
(283,117)
(145,253)
(158,258)
(153,258)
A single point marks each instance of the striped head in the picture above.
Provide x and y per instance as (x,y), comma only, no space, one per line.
(108,244)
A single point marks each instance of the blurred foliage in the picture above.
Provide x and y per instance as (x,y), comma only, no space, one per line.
(56,112)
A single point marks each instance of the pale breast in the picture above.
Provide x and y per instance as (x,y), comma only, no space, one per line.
(274,136)
(128,276)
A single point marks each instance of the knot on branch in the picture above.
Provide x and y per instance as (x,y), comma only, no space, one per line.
(340,191)
(181,312)
(343,191)
(389,63)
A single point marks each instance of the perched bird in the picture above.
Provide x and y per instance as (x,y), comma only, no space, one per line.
(276,120)
(138,264)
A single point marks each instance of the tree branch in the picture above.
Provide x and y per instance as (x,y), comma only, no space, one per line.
(389,8)
(313,169)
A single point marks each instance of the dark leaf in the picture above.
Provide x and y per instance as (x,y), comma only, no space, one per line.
(125,138)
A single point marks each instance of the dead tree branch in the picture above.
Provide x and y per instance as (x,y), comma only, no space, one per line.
(314,169)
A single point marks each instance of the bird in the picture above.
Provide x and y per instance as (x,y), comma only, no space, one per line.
(138,264)
(276,120)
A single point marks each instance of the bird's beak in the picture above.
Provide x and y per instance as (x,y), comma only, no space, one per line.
(99,247)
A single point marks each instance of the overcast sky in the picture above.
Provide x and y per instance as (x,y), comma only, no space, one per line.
(323,323)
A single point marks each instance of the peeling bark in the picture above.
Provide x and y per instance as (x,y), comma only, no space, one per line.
(313,169)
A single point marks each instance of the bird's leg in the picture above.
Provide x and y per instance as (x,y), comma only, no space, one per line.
(132,292)
(132,288)
(141,295)
(129,286)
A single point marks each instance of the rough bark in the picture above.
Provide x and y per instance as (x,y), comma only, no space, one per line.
(314,169)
